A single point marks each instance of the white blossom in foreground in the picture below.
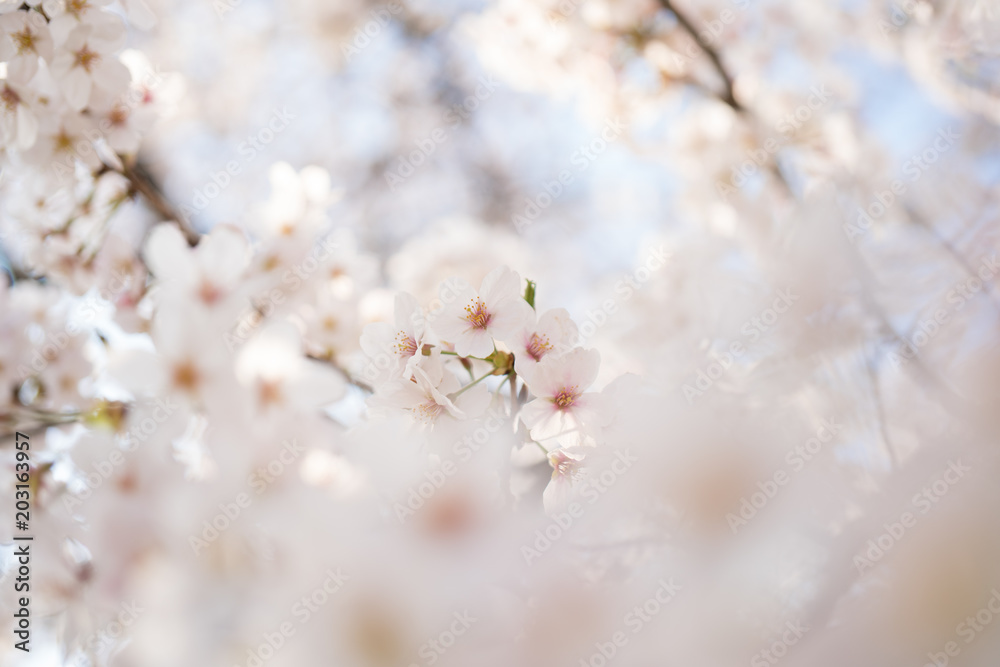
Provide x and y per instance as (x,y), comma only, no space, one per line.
(564,409)
(472,319)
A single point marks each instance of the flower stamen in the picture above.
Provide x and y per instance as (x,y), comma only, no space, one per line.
(477,315)
(9,98)
(405,345)
(24,41)
(86,58)
(538,346)
(428,411)
(565,398)
(186,376)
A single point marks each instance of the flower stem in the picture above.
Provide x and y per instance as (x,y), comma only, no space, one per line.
(470,385)
(456,354)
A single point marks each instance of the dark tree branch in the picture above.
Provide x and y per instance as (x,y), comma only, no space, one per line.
(713,55)
(144,185)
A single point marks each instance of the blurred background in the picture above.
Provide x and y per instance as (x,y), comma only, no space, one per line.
(673,173)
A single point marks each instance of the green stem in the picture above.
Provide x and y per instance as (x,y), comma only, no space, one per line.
(456,354)
(470,385)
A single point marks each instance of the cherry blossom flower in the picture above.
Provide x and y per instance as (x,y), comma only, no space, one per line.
(122,124)
(551,335)
(184,363)
(69,15)
(473,319)
(331,325)
(62,142)
(84,62)
(394,351)
(426,491)
(206,274)
(24,38)
(565,469)
(563,407)
(18,123)
(432,392)
(280,378)
(298,202)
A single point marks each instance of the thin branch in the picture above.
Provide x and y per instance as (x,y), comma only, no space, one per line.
(952,250)
(143,184)
(871,363)
(32,421)
(363,386)
(713,55)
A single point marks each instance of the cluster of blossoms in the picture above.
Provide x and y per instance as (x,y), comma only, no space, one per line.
(73,108)
(495,331)
(284,441)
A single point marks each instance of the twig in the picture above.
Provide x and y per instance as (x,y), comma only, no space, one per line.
(713,55)
(143,184)
(32,421)
(880,409)
(951,250)
(363,386)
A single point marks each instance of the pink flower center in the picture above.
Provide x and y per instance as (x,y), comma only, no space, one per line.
(565,398)
(477,315)
(563,465)
(405,345)
(538,346)
(209,293)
